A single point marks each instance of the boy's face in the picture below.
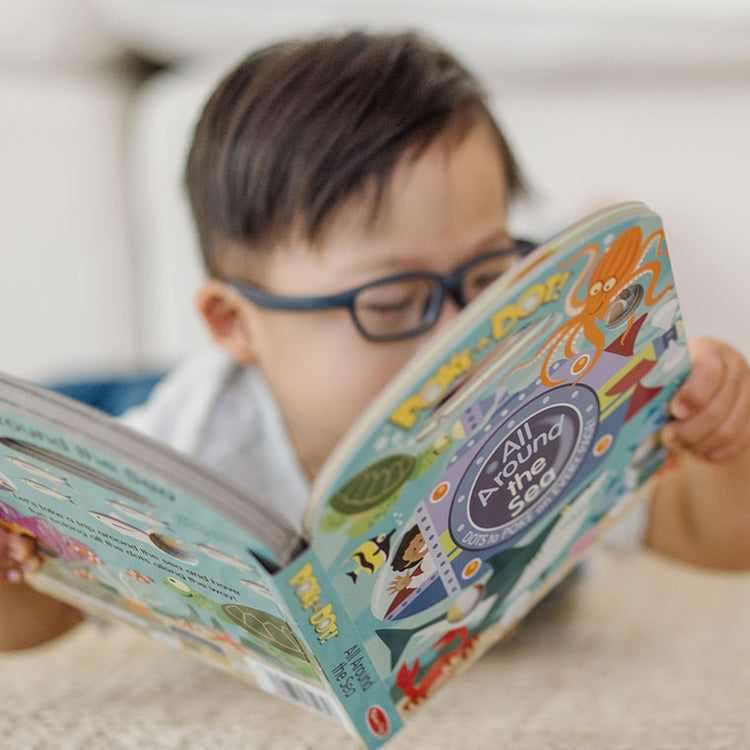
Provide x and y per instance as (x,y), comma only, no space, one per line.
(415,550)
(440,210)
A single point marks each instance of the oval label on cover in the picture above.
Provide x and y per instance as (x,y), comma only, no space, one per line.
(377,721)
(523,467)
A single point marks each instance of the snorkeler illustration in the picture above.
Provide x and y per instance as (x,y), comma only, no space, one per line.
(412,558)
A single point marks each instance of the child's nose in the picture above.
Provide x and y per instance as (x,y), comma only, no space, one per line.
(450,309)
(448,312)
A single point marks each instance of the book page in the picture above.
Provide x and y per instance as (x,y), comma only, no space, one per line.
(91,431)
(121,541)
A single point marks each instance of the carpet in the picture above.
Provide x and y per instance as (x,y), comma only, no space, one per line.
(637,653)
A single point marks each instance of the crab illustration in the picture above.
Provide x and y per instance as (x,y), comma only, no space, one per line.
(415,690)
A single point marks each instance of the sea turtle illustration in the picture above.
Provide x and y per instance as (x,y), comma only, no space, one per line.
(368,496)
(269,633)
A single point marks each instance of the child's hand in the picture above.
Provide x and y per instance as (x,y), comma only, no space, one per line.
(712,407)
(18,557)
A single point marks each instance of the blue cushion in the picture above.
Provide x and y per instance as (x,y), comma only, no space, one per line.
(111,395)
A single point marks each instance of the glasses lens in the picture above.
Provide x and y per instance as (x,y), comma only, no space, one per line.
(397,308)
(483,273)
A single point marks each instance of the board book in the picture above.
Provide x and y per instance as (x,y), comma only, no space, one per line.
(475,482)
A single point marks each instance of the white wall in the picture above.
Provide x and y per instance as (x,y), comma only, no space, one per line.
(66,298)
(624,100)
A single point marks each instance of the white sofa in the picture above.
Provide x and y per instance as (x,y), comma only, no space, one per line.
(638,101)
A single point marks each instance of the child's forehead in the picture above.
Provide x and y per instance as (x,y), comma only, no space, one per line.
(428,167)
(428,187)
(440,206)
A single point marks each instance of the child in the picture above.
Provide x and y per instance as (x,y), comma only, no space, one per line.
(320,171)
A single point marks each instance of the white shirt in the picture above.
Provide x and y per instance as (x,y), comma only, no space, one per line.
(223,414)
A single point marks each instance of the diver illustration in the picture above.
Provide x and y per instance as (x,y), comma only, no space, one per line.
(412,558)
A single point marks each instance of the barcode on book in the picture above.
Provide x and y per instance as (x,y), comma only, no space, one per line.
(297,691)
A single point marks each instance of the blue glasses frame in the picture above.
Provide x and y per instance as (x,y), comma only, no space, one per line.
(446,284)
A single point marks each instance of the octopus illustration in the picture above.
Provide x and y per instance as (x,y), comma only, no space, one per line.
(611,287)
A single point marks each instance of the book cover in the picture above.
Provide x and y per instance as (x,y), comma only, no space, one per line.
(499,456)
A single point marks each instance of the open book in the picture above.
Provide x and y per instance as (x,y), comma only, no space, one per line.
(475,482)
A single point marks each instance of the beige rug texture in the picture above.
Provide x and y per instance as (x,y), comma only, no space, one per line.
(637,653)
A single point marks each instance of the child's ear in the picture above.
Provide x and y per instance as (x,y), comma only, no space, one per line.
(228,319)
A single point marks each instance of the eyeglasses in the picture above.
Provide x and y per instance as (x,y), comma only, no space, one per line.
(404,305)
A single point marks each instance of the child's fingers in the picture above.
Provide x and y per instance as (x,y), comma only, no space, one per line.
(31,565)
(9,570)
(12,575)
(705,425)
(703,383)
(21,548)
(730,433)
(720,428)
(732,449)
(18,557)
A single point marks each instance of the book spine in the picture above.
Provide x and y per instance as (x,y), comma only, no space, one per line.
(339,648)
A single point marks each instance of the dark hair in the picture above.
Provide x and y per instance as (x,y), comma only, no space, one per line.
(299,127)
(399,564)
